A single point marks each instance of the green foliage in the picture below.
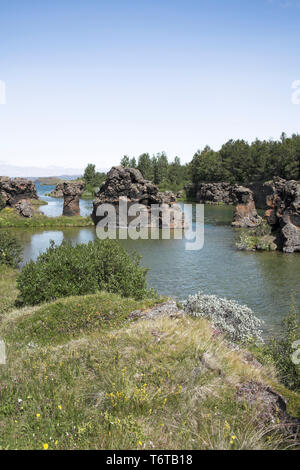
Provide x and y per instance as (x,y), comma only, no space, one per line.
(68,318)
(283,349)
(125,161)
(206,166)
(93,178)
(241,162)
(168,176)
(146,167)
(67,270)
(10,250)
(258,238)
(138,385)
(9,218)
(236,162)
(8,288)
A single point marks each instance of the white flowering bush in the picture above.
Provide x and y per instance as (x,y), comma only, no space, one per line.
(238,321)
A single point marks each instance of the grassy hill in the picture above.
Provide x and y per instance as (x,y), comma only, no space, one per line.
(80,375)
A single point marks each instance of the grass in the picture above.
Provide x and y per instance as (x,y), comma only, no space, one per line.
(79,375)
(38,202)
(68,318)
(8,288)
(8,218)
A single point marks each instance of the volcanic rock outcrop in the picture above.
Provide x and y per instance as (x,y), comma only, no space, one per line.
(72,191)
(13,190)
(224,193)
(128,185)
(17,193)
(245,215)
(24,208)
(58,191)
(284,212)
(215,193)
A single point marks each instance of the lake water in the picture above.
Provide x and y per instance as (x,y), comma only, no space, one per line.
(266,282)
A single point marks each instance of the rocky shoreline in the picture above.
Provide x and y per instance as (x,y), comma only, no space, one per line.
(280,199)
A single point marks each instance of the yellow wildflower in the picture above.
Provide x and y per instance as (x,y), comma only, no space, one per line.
(45,446)
(38,415)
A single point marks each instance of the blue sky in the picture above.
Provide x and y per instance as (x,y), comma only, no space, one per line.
(91,80)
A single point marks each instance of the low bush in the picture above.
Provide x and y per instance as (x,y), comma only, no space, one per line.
(67,270)
(284,351)
(258,238)
(10,250)
(237,321)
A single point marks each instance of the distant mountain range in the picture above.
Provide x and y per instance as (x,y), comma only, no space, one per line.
(33,172)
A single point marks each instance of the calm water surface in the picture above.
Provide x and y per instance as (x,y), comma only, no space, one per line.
(266,282)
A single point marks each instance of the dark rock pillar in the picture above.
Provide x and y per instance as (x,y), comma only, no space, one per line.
(245,215)
(284,213)
(72,191)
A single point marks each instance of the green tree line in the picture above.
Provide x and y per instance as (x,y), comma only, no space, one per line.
(166,175)
(236,162)
(240,162)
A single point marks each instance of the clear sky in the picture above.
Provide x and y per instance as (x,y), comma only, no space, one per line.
(92,80)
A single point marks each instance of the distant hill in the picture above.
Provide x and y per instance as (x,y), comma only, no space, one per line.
(48,181)
(54,180)
(32,172)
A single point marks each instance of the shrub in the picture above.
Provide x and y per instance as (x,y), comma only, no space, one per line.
(82,269)
(246,242)
(282,349)
(237,321)
(250,241)
(10,250)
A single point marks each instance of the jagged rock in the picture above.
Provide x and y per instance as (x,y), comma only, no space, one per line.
(284,213)
(166,309)
(270,406)
(72,191)
(13,190)
(245,215)
(214,193)
(224,193)
(128,185)
(58,191)
(261,190)
(24,208)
